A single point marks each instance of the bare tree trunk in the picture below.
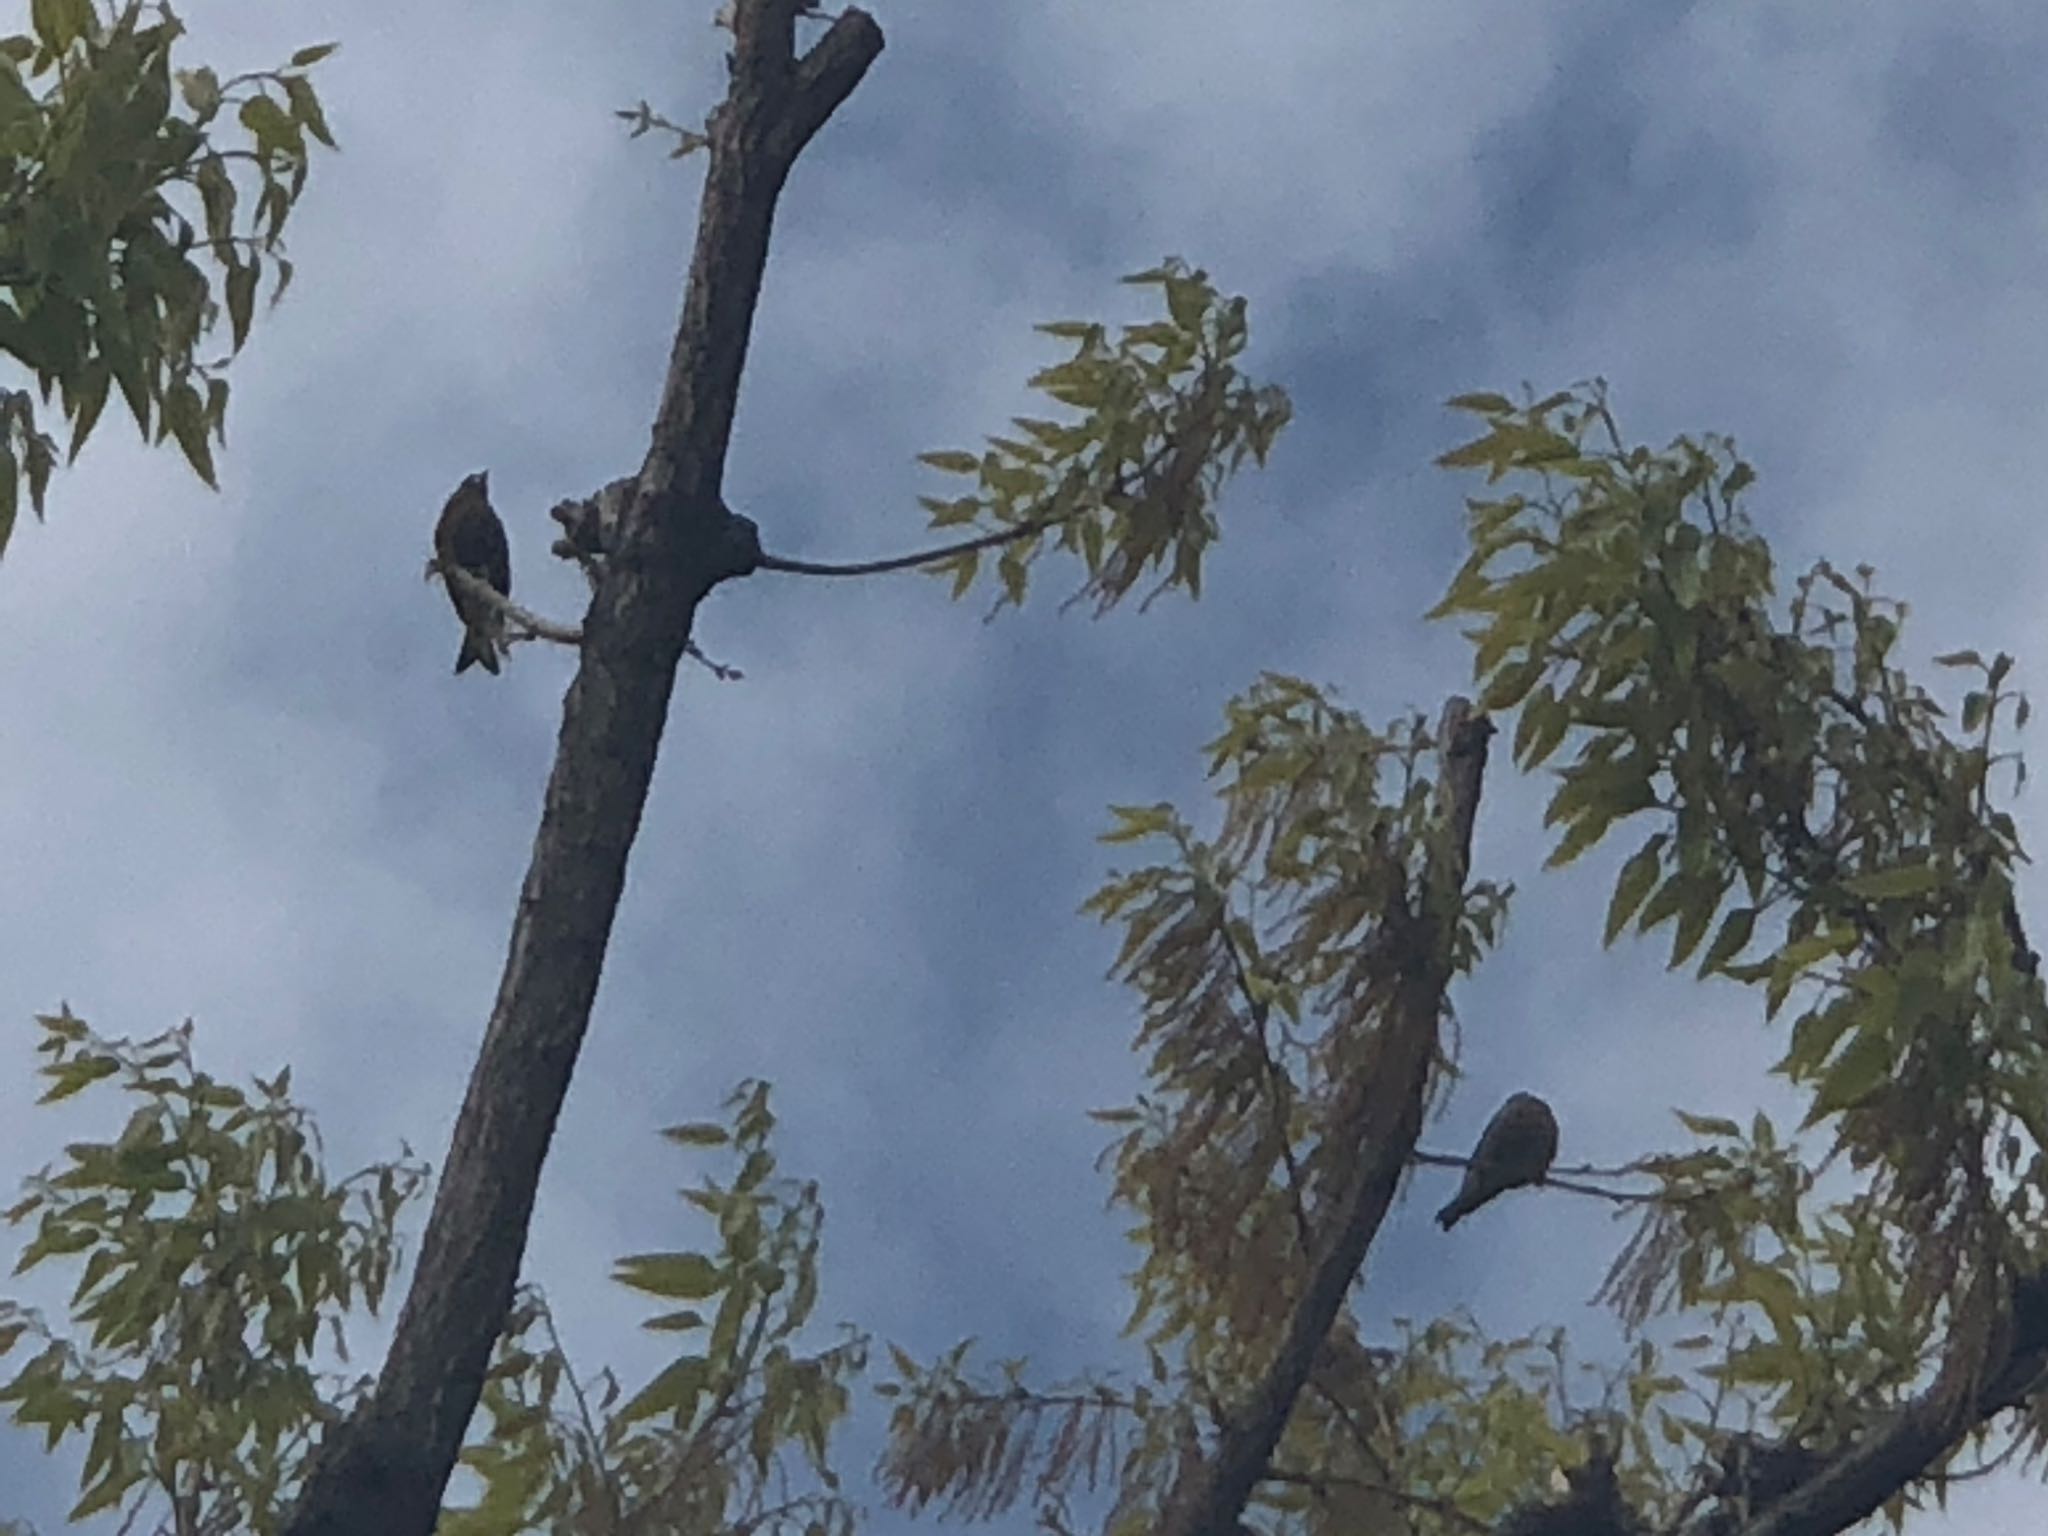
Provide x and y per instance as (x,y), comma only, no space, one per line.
(383,1473)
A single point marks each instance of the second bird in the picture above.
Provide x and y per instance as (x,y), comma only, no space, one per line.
(1515,1149)
(469,537)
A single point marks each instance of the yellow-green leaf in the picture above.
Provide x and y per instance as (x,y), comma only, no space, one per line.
(1482,403)
(676,1276)
(698,1133)
(675,1391)
(1865,1064)
(1637,877)
(1900,880)
(1735,930)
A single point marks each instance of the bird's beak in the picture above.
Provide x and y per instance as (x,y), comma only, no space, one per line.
(433,568)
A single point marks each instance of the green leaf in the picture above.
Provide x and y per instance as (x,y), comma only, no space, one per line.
(965,567)
(1187,300)
(60,23)
(275,130)
(103,1496)
(673,1276)
(953,461)
(953,513)
(89,399)
(1735,930)
(1865,1065)
(1511,684)
(1010,567)
(698,1133)
(675,1322)
(1137,822)
(312,54)
(1814,1036)
(1481,450)
(10,495)
(1898,881)
(1669,900)
(73,1076)
(184,417)
(1709,1125)
(675,1390)
(1541,726)
(1582,834)
(1774,1292)
(305,105)
(1702,898)
(1482,404)
(1635,882)
(241,297)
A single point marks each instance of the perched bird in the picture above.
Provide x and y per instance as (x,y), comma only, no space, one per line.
(469,537)
(1516,1148)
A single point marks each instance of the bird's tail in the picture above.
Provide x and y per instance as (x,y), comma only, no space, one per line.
(476,649)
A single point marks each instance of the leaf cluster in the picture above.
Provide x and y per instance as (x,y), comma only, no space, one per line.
(1819,831)
(732,1433)
(971,1443)
(1165,419)
(213,1252)
(127,223)
(1267,962)
(1818,827)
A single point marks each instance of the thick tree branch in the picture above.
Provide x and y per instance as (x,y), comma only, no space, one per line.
(384,1472)
(1858,1482)
(1212,1497)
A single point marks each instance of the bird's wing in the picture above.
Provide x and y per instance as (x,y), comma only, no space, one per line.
(476,542)
(497,557)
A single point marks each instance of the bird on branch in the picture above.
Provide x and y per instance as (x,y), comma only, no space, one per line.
(470,538)
(1516,1149)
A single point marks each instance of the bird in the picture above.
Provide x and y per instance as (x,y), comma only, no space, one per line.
(1515,1149)
(469,537)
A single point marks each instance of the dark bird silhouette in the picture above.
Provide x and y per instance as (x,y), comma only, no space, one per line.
(469,537)
(1515,1149)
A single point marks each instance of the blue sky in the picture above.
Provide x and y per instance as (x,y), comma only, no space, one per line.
(243,785)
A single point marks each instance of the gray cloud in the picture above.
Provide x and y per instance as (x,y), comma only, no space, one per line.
(245,787)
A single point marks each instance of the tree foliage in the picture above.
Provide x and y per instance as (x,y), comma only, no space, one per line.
(129,223)
(734,1432)
(1820,828)
(214,1256)
(213,1253)
(1166,419)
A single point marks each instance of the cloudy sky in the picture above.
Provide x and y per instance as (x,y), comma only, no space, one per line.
(243,786)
